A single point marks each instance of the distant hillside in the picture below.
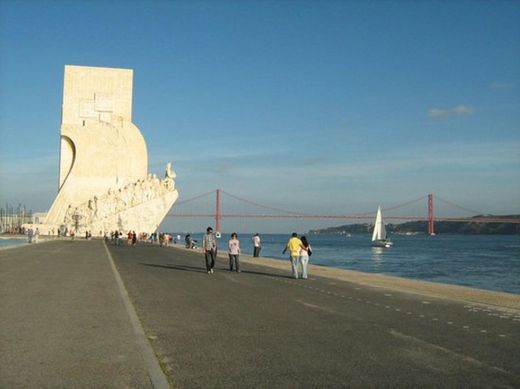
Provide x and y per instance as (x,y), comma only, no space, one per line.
(421,227)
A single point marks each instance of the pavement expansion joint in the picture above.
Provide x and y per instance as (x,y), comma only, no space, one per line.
(468,307)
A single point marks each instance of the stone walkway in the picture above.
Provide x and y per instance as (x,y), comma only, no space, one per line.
(63,320)
(66,321)
(261,328)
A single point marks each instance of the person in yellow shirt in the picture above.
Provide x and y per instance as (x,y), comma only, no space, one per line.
(293,245)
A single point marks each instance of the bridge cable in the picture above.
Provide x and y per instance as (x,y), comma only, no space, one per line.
(458,206)
(194,198)
(404,204)
(263,206)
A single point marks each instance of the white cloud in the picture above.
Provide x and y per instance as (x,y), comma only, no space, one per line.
(458,110)
(502,85)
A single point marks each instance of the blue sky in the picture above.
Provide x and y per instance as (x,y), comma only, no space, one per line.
(329,107)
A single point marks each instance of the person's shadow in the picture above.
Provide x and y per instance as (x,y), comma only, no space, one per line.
(203,270)
(177,267)
(259,273)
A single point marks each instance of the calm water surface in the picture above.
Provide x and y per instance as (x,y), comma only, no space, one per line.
(12,242)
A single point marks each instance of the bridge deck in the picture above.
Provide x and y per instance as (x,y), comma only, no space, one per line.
(63,322)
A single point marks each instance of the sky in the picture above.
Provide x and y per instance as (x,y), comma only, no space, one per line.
(324,107)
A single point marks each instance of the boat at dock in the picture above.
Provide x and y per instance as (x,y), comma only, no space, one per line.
(379,236)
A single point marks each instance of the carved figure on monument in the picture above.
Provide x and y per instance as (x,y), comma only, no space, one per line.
(68,215)
(97,132)
(169,175)
(95,207)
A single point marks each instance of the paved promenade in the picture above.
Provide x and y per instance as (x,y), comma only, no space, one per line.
(65,322)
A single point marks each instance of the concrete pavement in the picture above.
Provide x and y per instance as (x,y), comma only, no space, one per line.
(65,321)
(261,328)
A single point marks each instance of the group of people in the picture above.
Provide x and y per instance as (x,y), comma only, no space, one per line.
(117,237)
(299,249)
(209,249)
(190,243)
(33,235)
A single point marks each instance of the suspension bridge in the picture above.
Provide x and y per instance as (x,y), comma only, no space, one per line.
(268,212)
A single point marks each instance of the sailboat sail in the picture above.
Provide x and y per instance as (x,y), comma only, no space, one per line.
(379,238)
(379,227)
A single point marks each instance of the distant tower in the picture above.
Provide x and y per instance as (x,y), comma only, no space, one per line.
(218,215)
(431,226)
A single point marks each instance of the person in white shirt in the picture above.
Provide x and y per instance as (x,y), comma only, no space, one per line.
(234,252)
(257,245)
(305,252)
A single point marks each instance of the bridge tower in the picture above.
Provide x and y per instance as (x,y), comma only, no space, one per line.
(431,226)
(218,215)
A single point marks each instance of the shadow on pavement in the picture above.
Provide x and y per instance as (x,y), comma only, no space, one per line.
(197,269)
(177,267)
(259,273)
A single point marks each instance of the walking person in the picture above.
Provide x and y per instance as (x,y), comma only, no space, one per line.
(293,245)
(234,252)
(209,248)
(257,244)
(305,253)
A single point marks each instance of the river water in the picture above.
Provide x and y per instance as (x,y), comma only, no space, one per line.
(12,242)
(481,261)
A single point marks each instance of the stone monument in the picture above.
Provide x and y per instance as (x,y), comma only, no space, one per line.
(104,183)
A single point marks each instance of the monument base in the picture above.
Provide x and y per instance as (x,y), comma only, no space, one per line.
(139,207)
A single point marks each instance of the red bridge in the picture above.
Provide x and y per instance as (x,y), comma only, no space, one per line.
(285,214)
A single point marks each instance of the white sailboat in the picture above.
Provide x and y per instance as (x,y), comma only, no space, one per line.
(379,238)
